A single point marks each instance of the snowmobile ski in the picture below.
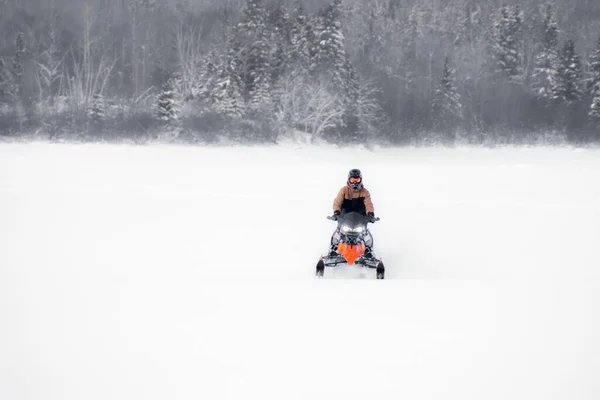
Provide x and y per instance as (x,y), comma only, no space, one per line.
(320,268)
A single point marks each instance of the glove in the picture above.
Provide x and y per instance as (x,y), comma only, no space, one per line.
(371,216)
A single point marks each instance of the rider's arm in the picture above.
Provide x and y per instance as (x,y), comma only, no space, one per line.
(339,199)
(368,202)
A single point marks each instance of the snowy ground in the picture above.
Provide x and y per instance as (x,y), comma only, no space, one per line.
(188,273)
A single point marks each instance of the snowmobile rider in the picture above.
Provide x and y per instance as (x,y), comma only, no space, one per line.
(354,196)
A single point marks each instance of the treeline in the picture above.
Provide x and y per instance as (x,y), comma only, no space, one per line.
(400,71)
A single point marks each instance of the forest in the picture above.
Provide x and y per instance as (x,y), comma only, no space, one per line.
(399,72)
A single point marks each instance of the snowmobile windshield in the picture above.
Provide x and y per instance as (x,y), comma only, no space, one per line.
(352,223)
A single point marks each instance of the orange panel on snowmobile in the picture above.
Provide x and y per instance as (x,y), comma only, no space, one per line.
(351,252)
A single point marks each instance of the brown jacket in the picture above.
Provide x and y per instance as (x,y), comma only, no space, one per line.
(348,193)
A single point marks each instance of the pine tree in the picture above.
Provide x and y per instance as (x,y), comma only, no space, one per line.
(547,62)
(281,49)
(228,97)
(330,54)
(569,87)
(594,70)
(17,66)
(49,68)
(167,111)
(207,76)
(279,20)
(501,51)
(594,83)
(226,94)
(4,81)
(595,108)
(331,60)
(252,56)
(507,48)
(253,19)
(258,71)
(446,107)
(410,39)
(516,44)
(300,48)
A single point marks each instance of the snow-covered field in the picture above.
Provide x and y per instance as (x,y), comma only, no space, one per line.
(166,272)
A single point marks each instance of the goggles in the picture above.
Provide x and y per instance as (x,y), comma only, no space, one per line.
(356,179)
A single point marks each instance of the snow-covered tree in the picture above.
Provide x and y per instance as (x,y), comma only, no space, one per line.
(228,97)
(280,38)
(545,77)
(230,102)
(190,59)
(331,61)
(309,104)
(253,18)
(250,52)
(569,87)
(5,81)
(446,107)
(258,72)
(17,65)
(49,69)
(207,74)
(226,94)
(594,83)
(594,69)
(595,108)
(17,69)
(280,41)
(516,28)
(369,112)
(167,110)
(300,48)
(501,31)
(508,45)
(330,54)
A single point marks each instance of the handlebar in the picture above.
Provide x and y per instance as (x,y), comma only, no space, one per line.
(335,217)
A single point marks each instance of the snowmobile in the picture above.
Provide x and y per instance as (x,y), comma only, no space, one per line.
(351,248)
